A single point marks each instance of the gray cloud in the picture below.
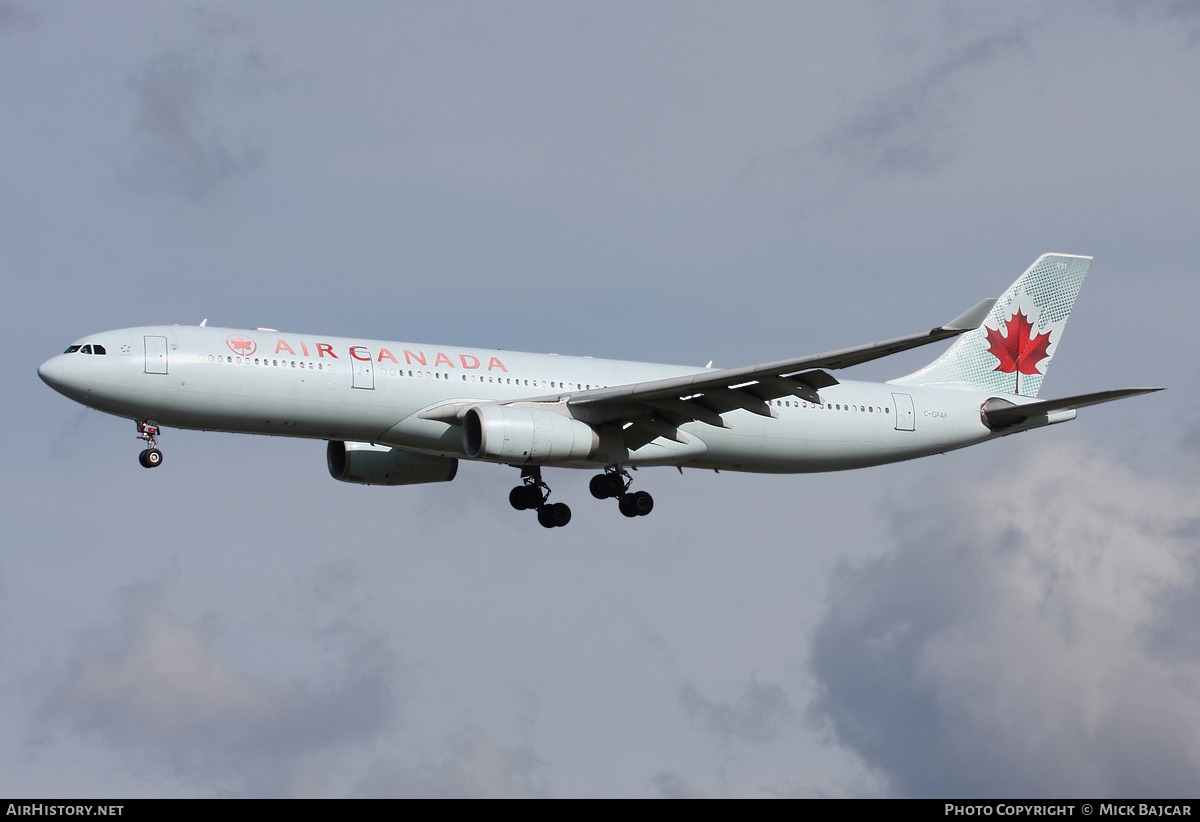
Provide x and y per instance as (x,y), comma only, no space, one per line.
(13,15)
(181,95)
(158,689)
(756,717)
(1183,15)
(468,765)
(671,785)
(917,126)
(1024,638)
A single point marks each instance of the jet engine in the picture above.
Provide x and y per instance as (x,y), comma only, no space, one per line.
(369,464)
(518,435)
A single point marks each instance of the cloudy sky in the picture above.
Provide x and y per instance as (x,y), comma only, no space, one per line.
(679,182)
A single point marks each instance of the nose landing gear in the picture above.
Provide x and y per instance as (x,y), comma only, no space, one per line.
(148,431)
(534,493)
(615,482)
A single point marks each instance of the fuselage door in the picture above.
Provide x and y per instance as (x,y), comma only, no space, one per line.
(906,418)
(156,355)
(364,373)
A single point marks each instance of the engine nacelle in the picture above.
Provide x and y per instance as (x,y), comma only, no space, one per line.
(369,464)
(517,435)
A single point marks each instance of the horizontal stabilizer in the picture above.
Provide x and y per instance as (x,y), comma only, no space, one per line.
(999,414)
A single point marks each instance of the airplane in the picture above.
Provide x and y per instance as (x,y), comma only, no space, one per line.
(397,413)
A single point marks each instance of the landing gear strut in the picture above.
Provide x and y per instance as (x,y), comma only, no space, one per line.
(148,431)
(615,482)
(534,493)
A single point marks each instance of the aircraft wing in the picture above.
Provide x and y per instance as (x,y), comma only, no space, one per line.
(659,407)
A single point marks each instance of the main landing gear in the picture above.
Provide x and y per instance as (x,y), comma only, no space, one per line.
(615,482)
(151,457)
(534,493)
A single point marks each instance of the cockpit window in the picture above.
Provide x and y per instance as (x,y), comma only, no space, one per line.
(98,349)
(87,349)
(72,349)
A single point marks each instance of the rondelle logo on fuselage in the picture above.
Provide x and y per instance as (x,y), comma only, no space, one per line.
(240,344)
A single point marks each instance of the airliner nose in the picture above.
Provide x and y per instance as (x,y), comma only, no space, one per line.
(51,371)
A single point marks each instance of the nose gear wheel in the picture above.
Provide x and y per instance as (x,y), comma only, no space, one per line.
(148,431)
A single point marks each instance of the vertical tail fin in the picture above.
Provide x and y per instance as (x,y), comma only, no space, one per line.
(1011,351)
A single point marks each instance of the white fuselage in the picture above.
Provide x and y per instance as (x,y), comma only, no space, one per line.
(267,382)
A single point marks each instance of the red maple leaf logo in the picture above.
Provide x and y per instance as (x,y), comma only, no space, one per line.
(241,345)
(1020,351)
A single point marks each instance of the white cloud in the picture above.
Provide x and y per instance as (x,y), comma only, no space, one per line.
(167,681)
(1022,637)
(158,690)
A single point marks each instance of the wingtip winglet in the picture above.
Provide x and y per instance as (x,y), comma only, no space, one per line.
(972,318)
